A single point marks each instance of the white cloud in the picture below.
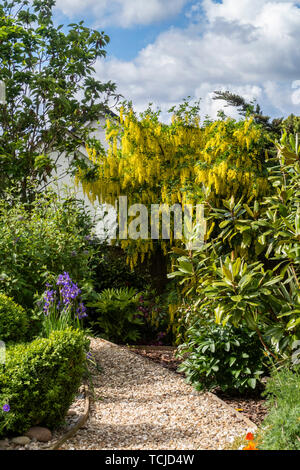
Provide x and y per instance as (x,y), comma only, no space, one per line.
(296,94)
(250,47)
(125,13)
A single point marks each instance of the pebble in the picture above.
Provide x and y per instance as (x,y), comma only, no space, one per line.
(21,440)
(40,434)
(4,443)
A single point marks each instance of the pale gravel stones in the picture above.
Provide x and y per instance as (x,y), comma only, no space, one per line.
(139,405)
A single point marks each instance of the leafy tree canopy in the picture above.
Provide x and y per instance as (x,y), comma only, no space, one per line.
(51,90)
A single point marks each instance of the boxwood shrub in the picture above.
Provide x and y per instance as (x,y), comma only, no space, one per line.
(39,380)
(14,322)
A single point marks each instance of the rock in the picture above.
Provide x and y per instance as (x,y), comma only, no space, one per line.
(40,434)
(4,444)
(21,441)
(72,412)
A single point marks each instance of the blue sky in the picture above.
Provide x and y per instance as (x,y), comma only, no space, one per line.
(165,50)
(126,42)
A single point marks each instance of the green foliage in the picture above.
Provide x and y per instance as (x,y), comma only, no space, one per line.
(14,322)
(118,317)
(248,269)
(39,380)
(40,241)
(222,357)
(281,428)
(45,69)
(291,124)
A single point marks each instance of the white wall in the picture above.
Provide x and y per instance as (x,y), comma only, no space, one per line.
(63,164)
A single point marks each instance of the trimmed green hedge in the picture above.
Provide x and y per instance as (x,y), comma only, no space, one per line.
(14,321)
(39,380)
(281,428)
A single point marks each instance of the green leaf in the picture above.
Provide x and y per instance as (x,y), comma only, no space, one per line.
(252,383)
(232,360)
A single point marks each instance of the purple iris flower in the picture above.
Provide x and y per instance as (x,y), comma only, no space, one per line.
(49,297)
(81,311)
(68,289)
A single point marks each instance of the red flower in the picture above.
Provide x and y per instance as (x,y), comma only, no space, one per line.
(249,437)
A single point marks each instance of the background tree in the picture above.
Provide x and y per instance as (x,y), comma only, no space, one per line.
(184,162)
(251,108)
(50,88)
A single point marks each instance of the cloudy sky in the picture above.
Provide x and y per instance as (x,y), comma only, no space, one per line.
(162,51)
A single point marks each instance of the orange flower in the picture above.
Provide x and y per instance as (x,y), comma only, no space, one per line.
(249,437)
(250,446)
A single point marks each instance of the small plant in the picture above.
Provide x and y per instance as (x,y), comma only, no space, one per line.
(222,357)
(119,319)
(251,443)
(246,442)
(63,305)
(281,428)
(14,322)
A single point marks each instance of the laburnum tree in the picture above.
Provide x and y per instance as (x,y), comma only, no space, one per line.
(184,162)
(51,91)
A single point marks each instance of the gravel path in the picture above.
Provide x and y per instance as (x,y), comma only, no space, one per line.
(140,405)
(252,406)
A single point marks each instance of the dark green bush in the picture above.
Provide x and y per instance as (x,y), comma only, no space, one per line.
(39,380)
(281,428)
(222,357)
(14,322)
